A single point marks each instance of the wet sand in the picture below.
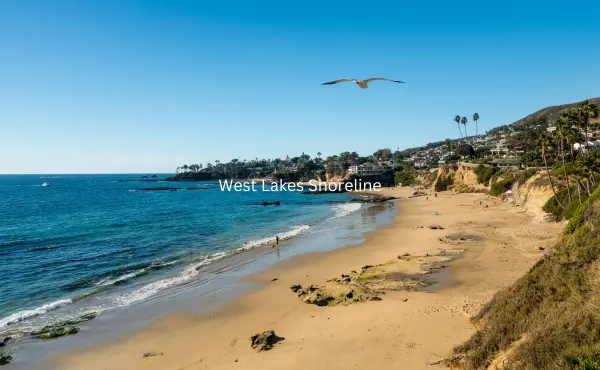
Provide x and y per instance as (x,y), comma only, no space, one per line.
(406,329)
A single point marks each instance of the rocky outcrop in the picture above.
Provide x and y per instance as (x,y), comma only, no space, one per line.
(54,332)
(373,281)
(160,188)
(80,319)
(264,341)
(273,203)
(4,360)
(372,199)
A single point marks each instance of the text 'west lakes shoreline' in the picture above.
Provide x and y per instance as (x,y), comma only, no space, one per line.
(311,186)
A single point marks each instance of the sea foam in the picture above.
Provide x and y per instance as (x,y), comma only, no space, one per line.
(27,314)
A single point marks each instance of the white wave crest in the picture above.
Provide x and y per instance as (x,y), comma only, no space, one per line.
(191,271)
(186,275)
(283,236)
(345,209)
(119,279)
(27,314)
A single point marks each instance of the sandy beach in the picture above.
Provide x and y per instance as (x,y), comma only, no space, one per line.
(481,248)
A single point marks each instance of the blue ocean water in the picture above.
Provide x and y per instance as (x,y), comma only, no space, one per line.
(96,242)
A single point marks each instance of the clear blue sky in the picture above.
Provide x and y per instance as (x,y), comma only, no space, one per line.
(144,86)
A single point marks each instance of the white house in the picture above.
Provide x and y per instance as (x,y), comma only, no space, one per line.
(592,145)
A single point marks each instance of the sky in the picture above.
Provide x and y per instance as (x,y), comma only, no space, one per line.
(145,86)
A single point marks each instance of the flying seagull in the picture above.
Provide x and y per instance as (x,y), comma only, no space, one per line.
(363,84)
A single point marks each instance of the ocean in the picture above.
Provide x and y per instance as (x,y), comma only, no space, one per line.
(98,243)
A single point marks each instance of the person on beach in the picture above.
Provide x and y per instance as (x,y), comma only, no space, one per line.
(277,239)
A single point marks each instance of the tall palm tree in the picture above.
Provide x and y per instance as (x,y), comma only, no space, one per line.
(586,110)
(562,125)
(476,118)
(464,122)
(542,143)
(457,120)
(319,155)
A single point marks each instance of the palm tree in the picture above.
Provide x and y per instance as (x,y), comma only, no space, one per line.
(457,120)
(464,122)
(542,143)
(586,110)
(319,155)
(476,118)
(562,125)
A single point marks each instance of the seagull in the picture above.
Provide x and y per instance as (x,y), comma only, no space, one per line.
(363,84)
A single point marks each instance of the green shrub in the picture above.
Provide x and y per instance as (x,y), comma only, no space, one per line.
(500,187)
(552,205)
(526,175)
(404,177)
(560,173)
(484,173)
(578,216)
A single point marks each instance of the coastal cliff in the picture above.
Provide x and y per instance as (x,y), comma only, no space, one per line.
(549,318)
(459,178)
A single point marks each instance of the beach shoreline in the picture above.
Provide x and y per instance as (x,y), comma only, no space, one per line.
(395,331)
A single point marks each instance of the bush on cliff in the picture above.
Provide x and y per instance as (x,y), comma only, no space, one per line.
(484,174)
(550,317)
(500,187)
(405,177)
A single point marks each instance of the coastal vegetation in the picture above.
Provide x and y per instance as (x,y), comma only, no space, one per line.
(549,318)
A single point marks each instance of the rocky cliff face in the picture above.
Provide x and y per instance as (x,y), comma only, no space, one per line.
(535,192)
(458,178)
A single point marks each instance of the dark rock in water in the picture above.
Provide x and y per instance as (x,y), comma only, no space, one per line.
(273,203)
(49,333)
(324,191)
(4,341)
(372,199)
(160,188)
(296,288)
(154,176)
(5,360)
(197,189)
(152,354)
(264,341)
(84,318)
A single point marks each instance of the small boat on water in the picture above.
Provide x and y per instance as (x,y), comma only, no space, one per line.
(46,184)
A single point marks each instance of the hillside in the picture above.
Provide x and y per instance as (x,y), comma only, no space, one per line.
(549,114)
(550,317)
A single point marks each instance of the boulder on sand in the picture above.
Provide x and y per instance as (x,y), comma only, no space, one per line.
(318,298)
(264,341)
(295,288)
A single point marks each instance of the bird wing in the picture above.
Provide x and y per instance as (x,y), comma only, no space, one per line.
(338,81)
(382,79)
